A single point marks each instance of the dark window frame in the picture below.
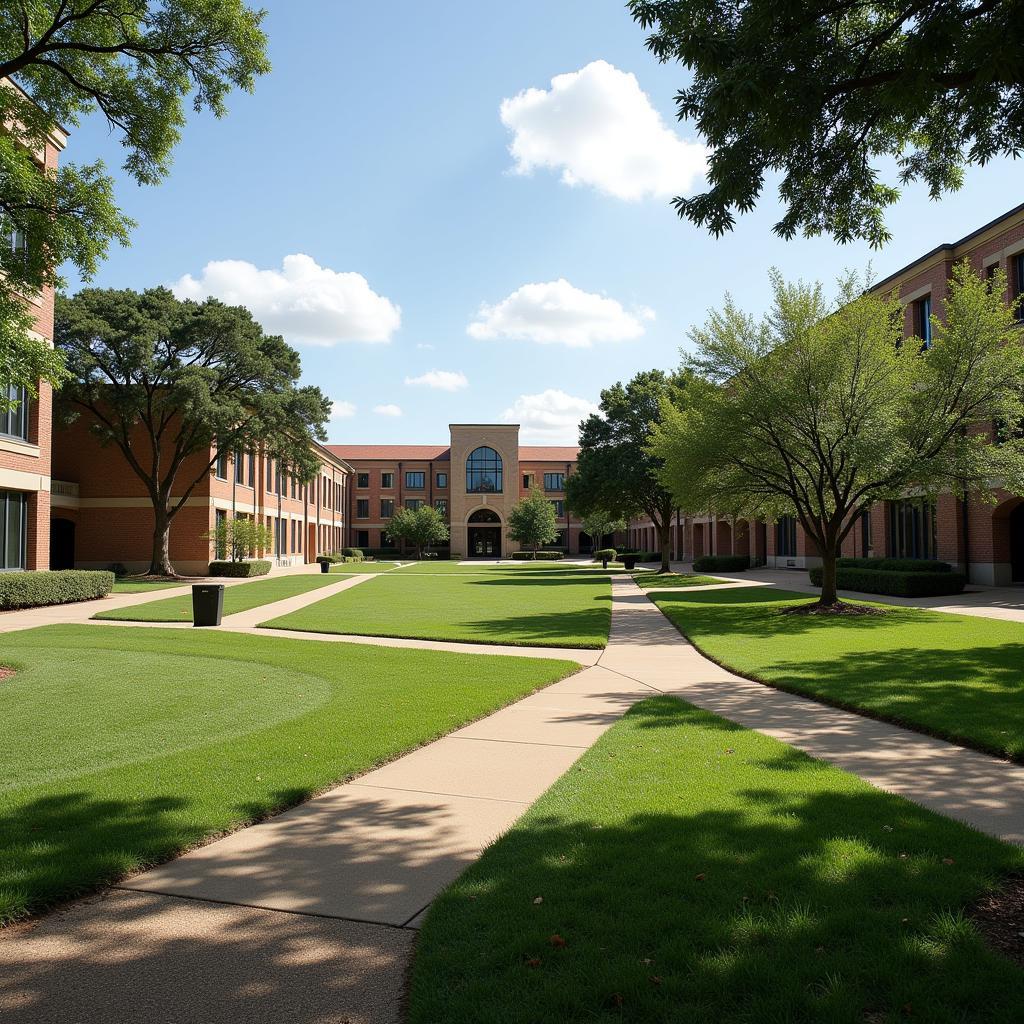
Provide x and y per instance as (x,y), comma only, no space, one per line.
(485,471)
(415,480)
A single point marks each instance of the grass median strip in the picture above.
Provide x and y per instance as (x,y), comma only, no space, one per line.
(113,758)
(130,586)
(515,607)
(237,598)
(689,869)
(652,580)
(955,676)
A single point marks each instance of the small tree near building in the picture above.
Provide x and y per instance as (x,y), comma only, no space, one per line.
(599,524)
(420,527)
(238,538)
(819,412)
(532,521)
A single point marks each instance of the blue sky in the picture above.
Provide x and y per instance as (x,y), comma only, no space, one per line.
(376,148)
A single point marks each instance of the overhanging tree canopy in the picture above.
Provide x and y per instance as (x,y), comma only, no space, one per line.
(164,380)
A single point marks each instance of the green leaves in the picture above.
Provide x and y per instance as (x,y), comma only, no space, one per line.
(532,521)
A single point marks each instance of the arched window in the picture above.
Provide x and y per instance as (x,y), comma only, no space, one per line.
(483,471)
(485,515)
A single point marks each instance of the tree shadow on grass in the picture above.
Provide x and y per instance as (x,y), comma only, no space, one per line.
(584,628)
(746,884)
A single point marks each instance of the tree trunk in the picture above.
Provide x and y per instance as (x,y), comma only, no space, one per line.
(665,535)
(160,561)
(829,597)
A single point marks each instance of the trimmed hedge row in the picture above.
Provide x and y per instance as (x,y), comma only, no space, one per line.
(907,583)
(540,556)
(721,563)
(352,554)
(642,556)
(59,586)
(894,564)
(604,553)
(256,567)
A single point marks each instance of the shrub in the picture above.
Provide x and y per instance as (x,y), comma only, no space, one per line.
(330,559)
(257,567)
(894,564)
(721,563)
(352,554)
(603,553)
(906,583)
(543,556)
(386,553)
(60,586)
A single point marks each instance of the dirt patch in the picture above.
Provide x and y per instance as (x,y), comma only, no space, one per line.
(5,673)
(1000,919)
(839,608)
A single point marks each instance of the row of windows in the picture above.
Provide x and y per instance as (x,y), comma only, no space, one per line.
(552,481)
(14,421)
(279,480)
(387,506)
(415,480)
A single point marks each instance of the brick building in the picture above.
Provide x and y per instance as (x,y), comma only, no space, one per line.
(25,466)
(474,481)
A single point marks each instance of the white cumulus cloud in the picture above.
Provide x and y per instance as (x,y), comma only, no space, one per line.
(304,302)
(341,410)
(598,128)
(440,380)
(387,410)
(550,417)
(558,313)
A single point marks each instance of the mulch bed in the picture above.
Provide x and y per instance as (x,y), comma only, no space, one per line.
(840,608)
(1000,919)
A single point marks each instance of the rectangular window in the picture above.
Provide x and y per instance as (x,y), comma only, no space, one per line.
(387,508)
(387,481)
(913,529)
(415,481)
(554,481)
(252,469)
(362,508)
(239,460)
(990,273)
(442,480)
(923,320)
(362,538)
(325,490)
(270,475)
(413,503)
(527,481)
(558,542)
(337,496)
(362,479)
(220,467)
(441,504)
(785,537)
(559,507)
(14,422)
(13,530)
(1017,282)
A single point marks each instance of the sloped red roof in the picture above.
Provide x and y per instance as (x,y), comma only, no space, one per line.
(548,453)
(374,452)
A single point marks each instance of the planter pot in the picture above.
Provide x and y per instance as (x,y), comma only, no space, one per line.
(629,562)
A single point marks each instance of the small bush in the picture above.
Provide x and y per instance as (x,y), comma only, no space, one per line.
(908,583)
(257,567)
(382,553)
(894,564)
(60,586)
(604,553)
(330,559)
(721,563)
(352,554)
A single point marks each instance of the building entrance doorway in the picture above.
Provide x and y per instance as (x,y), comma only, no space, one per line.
(1017,544)
(484,534)
(62,544)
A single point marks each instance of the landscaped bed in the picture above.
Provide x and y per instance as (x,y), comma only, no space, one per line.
(238,597)
(533,606)
(115,757)
(690,870)
(956,676)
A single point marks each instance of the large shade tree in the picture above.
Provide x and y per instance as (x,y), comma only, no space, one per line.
(135,62)
(823,96)
(171,383)
(617,473)
(820,410)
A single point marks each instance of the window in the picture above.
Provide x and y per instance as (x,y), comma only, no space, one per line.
(387,481)
(13,530)
(295,535)
(362,508)
(220,525)
(1017,282)
(484,472)
(923,320)
(559,506)
(239,460)
(527,481)
(337,496)
(558,542)
(442,479)
(387,508)
(867,539)
(295,486)
(441,504)
(362,538)
(415,481)
(14,422)
(252,469)
(221,466)
(912,529)
(362,479)
(270,475)
(554,481)
(990,273)
(413,503)
(785,537)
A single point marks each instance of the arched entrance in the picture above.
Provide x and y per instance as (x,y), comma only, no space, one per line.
(62,544)
(484,534)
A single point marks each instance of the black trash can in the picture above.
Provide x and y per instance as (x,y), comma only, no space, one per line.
(325,566)
(629,561)
(207,604)
(604,563)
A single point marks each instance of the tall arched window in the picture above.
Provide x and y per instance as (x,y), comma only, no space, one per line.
(483,471)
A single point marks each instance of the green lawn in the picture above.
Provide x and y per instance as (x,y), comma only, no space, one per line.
(363,567)
(130,586)
(112,758)
(649,580)
(549,607)
(690,870)
(957,676)
(437,567)
(237,598)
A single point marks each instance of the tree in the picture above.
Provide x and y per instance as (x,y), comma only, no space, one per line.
(532,521)
(136,63)
(617,472)
(236,538)
(420,527)
(165,381)
(820,412)
(822,94)
(600,523)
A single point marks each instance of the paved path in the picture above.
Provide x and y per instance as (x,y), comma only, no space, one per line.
(310,916)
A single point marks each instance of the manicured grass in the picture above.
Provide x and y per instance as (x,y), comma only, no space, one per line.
(649,580)
(130,586)
(354,568)
(121,748)
(546,608)
(436,567)
(956,676)
(690,870)
(238,597)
